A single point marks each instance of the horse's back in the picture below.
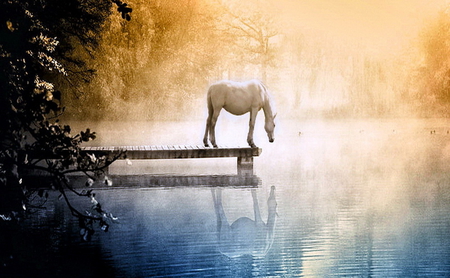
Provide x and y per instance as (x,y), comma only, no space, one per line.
(236,97)
(228,85)
(248,238)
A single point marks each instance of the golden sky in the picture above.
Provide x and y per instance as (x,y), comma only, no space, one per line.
(383,23)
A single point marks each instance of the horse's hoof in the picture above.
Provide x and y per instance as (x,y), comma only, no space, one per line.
(253,146)
(215,146)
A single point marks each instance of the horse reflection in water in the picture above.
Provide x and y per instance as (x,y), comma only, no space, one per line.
(245,236)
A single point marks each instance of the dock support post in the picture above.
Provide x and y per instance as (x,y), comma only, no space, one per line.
(245,165)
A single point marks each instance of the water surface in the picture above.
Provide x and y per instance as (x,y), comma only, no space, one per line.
(355,199)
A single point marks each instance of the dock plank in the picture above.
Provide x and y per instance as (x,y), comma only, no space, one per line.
(175,151)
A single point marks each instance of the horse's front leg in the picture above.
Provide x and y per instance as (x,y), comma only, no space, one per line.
(205,137)
(258,218)
(251,128)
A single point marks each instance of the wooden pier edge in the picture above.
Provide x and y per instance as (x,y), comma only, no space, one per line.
(244,155)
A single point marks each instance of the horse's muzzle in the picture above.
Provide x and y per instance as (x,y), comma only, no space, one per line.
(271,140)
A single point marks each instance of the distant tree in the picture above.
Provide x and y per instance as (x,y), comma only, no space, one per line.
(153,65)
(433,74)
(37,39)
(251,32)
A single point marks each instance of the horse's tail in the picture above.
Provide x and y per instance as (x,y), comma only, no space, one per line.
(209,103)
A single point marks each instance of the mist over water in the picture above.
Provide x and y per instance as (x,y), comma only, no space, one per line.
(355,198)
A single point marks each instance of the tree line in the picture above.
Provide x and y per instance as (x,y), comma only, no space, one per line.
(158,65)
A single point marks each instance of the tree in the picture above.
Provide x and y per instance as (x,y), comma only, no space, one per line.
(433,72)
(37,39)
(154,64)
(252,33)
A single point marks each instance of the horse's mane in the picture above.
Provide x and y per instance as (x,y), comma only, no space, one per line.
(268,96)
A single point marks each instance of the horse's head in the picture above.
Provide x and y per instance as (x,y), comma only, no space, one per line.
(269,126)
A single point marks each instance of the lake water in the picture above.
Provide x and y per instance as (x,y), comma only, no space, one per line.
(355,198)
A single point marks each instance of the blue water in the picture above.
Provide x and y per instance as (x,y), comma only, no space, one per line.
(355,199)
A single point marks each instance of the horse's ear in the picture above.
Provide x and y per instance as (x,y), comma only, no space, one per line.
(274,116)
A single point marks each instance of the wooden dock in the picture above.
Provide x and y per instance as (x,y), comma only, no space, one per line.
(244,155)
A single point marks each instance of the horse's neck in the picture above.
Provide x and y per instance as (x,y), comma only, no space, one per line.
(267,108)
(272,213)
(271,217)
(270,224)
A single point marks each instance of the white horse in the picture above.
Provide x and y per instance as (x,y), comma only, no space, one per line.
(239,98)
(245,236)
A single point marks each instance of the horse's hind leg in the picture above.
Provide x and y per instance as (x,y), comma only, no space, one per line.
(223,227)
(212,127)
(208,122)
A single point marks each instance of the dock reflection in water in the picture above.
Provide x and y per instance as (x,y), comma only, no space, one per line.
(167,232)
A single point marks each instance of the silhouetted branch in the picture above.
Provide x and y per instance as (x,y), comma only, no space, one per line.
(123,9)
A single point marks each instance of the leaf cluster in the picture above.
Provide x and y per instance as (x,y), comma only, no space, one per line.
(36,40)
(123,9)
